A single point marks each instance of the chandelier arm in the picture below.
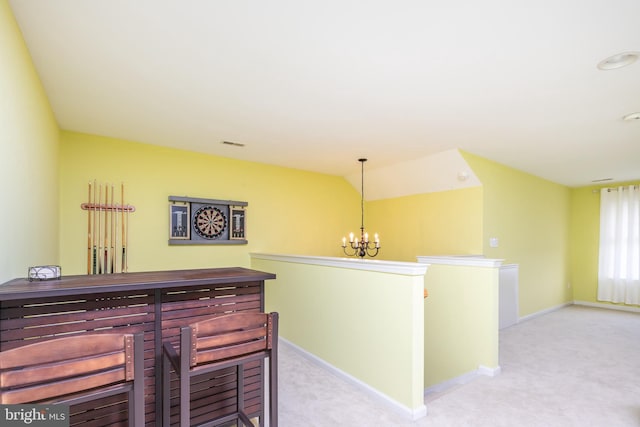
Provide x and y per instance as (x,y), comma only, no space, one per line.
(374,253)
(344,248)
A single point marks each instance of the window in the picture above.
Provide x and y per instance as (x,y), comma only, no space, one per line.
(619,260)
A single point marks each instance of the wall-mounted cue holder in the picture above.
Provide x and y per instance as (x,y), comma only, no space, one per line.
(107,229)
(196,221)
(107,207)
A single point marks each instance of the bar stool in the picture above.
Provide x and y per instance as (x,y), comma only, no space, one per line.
(74,370)
(215,344)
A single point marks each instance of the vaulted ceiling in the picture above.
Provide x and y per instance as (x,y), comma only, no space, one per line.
(315,85)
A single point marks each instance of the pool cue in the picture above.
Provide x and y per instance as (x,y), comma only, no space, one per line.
(99,248)
(113,232)
(89,232)
(93,235)
(106,230)
(124,231)
(126,258)
(115,239)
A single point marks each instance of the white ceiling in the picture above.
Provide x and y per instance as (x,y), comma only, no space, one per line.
(315,85)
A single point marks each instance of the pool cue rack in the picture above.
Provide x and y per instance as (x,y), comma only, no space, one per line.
(107,229)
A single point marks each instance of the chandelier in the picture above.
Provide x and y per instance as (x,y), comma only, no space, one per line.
(363,247)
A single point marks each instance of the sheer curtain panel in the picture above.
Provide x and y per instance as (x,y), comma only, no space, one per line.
(619,261)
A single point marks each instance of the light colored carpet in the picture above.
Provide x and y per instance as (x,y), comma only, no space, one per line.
(577,366)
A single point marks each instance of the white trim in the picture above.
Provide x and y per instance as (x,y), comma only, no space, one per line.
(489,372)
(630,308)
(467,260)
(394,267)
(413,414)
(463,379)
(543,312)
(450,383)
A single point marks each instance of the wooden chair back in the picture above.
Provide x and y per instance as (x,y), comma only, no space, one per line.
(74,369)
(226,337)
(218,343)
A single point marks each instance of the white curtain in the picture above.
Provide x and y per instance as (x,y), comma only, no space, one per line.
(619,262)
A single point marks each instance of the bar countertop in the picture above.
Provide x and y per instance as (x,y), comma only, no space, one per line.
(87,284)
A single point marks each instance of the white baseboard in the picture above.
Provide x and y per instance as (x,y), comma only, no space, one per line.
(489,372)
(543,312)
(463,379)
(631,308)
(411,413)
(619,307)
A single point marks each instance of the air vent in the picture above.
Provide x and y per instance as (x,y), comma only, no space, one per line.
(234,144)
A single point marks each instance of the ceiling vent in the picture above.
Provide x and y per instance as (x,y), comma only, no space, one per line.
(234,144)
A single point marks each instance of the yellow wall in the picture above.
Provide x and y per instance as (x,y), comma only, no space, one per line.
(289,211)
(460,321)
(585,238)
(530,217)
(442,223)
(368,324)
(292,211)
(28,159)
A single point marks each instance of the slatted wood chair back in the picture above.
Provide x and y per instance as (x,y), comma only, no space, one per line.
(226,337)
(219,343)
(75,369)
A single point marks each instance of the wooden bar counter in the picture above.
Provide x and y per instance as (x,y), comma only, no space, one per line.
(155,303)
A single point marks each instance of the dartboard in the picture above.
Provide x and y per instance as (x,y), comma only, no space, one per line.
(209,222)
